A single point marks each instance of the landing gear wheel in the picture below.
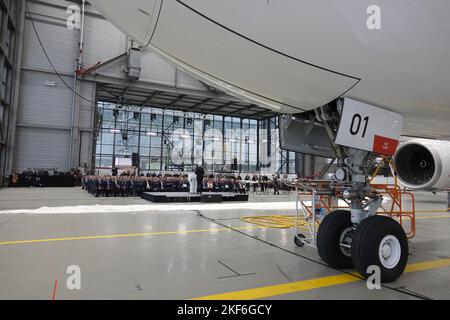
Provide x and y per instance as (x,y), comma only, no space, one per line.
(298,242)
(380,241)
(334,238)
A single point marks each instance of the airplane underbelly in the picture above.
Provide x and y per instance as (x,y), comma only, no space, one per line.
(296,55)
(241,65)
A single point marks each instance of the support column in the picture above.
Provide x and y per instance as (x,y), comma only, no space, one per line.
(308,165)
(299,164)
(13,111)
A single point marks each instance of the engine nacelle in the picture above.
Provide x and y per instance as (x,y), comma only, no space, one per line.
(424,164)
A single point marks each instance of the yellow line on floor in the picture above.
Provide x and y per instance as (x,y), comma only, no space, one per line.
(306,285)
(431,217)
(130,235)
(431,211)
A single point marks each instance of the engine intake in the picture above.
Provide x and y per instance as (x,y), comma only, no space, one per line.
(424,164)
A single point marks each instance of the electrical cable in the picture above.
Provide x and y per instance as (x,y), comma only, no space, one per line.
(398,290)
(50,61)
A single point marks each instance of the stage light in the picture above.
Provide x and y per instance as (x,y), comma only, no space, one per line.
(189,122)
(176,120)
(152,117)
(136,116)
(116,113)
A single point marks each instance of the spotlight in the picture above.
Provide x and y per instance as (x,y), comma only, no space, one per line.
(116,113)
(207,123)
(136,116)
(189,122)
(176,120)
(124,136)
(152,117)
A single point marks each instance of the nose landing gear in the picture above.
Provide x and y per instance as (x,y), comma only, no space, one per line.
(357,236)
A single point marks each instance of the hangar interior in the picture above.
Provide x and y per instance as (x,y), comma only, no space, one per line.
(83,99)
(62,131)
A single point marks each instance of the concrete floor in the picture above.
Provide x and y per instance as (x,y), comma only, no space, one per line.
(132,249)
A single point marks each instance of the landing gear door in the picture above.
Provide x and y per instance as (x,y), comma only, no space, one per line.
(300,136)
(366,127)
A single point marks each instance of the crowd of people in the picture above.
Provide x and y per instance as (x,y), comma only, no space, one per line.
(129,185)
(44,178)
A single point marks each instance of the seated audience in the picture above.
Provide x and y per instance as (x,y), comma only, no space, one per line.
(127,184)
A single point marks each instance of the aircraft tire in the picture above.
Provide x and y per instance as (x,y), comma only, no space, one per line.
(333,228)
(380,241)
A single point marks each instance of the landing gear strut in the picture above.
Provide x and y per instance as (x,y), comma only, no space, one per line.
(358,238)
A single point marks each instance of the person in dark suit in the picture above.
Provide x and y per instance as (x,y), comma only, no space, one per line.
(276,185)
(200,173)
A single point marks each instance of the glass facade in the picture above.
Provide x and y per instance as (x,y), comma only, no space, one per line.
(172,141)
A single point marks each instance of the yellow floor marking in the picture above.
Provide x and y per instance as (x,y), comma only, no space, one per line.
(131,235)
(147,234)
(432,211)
(427,265)
(432,217)
(305,285)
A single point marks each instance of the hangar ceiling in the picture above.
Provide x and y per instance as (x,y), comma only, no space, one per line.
(185,101)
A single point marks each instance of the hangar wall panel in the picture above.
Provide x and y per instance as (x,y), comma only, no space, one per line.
(40,148)
(103,42)
(186,81)
(60,44)
(45,110)
(43,104)
(154,69)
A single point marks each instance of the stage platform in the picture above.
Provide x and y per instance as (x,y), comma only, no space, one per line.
(161,197)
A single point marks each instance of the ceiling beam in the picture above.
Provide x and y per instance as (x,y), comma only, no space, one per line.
(223,106)
(150,98)
(198,105)
(174,102)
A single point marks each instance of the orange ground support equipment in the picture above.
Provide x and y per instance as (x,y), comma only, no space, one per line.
(406,215)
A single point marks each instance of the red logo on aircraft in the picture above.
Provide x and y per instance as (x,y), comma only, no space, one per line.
(385,146)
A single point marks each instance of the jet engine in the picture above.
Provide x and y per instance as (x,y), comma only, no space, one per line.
(424,164)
